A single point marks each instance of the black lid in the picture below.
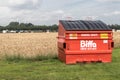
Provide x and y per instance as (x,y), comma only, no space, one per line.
(84,25)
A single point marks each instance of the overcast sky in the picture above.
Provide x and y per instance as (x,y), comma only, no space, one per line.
(49,12)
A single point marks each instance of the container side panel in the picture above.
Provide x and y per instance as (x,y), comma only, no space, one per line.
(61,30)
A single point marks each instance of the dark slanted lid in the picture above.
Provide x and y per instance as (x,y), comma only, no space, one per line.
(84,25)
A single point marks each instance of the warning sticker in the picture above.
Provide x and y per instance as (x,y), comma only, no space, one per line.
(72,36)
(104,36)
(105,41)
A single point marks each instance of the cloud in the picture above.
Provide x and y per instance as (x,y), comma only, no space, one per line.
(27,11)
(4,12)
(24,4)
(112,13)
(50,11)
(89,17)
(38,17)
(108,0)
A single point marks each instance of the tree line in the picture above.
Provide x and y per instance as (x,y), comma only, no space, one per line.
(28,26)
(115,26)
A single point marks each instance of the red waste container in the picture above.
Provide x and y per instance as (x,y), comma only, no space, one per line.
(84,41)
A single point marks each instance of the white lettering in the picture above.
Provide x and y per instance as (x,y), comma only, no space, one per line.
(85,34)
(88,45)
(89,35)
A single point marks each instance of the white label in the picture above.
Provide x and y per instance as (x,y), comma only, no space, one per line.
(89,35)
(105,41)
(85,34)
(88,45)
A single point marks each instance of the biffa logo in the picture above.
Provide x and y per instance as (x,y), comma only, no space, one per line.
(88,45)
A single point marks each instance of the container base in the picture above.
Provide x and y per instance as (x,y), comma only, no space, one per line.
(87,58)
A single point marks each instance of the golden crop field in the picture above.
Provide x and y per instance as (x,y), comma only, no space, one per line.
(116,38)
(33,44)
(28,44)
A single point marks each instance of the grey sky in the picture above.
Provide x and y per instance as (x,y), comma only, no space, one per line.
(48,12)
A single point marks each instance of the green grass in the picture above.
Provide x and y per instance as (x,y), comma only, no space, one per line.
(17,58)
(53,69)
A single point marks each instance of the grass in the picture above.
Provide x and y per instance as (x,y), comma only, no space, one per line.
(50,68)
(17,58)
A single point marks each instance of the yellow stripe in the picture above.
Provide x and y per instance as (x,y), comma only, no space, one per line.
(104,36)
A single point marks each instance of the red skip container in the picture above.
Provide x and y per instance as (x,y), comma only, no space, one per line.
(84,41)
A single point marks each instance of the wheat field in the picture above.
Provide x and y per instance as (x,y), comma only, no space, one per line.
(33,44)
(116,38)
(28,44)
